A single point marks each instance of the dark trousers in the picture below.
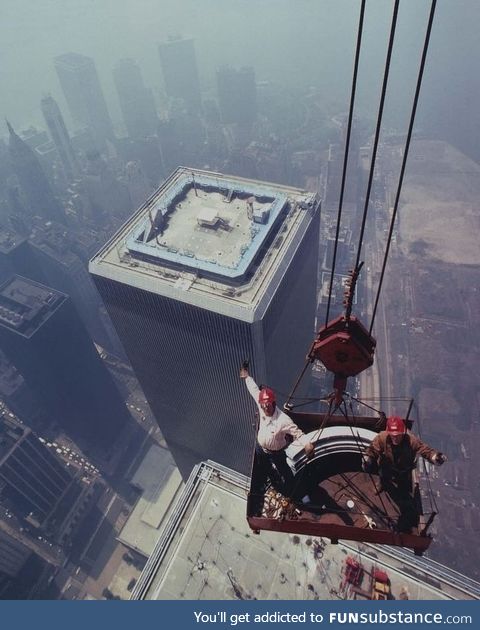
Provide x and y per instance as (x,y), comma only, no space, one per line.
(273,467)
(399,486)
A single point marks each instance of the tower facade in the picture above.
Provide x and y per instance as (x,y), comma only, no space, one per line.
(58,131)
(34,183)
(80,85)
(43,337)
(136,101)
(180,73)
(237,95)
(211,271)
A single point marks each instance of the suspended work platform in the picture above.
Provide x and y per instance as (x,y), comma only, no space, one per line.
(346,503)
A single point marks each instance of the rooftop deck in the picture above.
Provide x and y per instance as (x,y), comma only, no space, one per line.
(211,225)
(206,551)
(215,241)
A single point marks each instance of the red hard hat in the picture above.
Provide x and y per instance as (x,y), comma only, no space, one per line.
(266,395)
(396,425)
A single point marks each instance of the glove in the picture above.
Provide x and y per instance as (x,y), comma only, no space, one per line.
(244,373)
(440,459)
(367,464)
(309,450)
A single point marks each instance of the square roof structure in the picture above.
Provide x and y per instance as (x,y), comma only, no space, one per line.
(199,239)
(25,305)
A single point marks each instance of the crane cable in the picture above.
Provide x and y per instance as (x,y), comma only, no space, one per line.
(358,265)
(377,130)
(342,187)
(405,156)
(345,157)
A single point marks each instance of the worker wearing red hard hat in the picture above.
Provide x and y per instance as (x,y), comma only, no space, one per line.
(275,433)
(394,452)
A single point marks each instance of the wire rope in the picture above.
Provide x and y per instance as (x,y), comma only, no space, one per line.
(405,157)
(347,148)
(377,130)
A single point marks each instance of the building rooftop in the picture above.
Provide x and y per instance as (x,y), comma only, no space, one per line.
(174,39)
(55,242)
(213,240)
(159,480)
(10,379)
(74,60)
(25,305)
(207,551)
(9,240)
(11,431)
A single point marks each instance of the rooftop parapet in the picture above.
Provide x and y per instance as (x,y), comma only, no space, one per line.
(213,240)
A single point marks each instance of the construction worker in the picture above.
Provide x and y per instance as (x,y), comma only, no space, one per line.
(276,431)
(393,453)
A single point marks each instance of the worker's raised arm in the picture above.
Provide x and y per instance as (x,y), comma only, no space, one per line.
(252,388)
(250,383)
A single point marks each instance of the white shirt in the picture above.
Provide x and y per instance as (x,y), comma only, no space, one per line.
(273,430)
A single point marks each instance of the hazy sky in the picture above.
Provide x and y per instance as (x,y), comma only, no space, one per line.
(294,42)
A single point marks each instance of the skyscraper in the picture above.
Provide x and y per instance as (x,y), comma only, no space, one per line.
(15,256)
(52,256)
(59,266)
(79,81)
(136,101)
(33,181)
(18,397)
(237,95)
(13,554)
(58,131)
(179,67)
(34,479)
(213,270)
(43,337)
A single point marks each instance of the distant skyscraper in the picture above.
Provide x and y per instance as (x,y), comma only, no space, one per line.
(237,95)
(5,164)
(13,554)
(60,267)
(43,337)
(33,181)
(213,270)
(180,73)
(15,256)
(52,256)
(136,101)
(83,93)
(38,493)
(138,184)
(33,477)
(147,152)
(17,395)
(58,131)
(34,137)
